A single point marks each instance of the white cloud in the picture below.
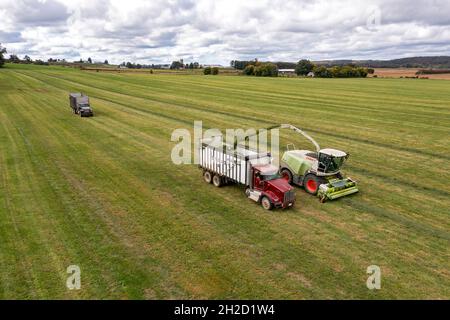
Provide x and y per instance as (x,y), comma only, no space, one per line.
(216,31)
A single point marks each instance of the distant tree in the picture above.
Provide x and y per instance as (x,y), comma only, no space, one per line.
(269,70)
(129,65)
(89,60)
(176,65)
(2,58)
(14,58)
(27,59)
(40,62)
(260,69)
(322,72)
(191,65)
(196,65)
(249,70)
(370,70)
(207,70)
(240,65)
(304,67)
(215,71)
(286,65)
(106,62)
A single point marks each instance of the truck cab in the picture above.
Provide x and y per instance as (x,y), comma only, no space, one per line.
(270,188)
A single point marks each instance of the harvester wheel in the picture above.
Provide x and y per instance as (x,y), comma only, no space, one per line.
(207,176)
(311,183)
(266,204)
(287,175)
(217,180)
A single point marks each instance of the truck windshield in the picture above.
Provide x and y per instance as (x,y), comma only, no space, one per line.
(267,177)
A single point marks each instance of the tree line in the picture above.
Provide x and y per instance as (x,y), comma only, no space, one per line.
(303,67)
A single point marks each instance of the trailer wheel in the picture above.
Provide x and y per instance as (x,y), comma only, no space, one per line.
(287,175)
(207,176)
(266,204)
(217,180)
(311,184)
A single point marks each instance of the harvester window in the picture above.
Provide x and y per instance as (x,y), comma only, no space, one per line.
(329,163)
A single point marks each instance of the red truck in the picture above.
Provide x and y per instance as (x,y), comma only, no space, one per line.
(226,164)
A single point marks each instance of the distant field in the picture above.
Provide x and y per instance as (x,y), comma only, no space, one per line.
(103,194)
(407,72)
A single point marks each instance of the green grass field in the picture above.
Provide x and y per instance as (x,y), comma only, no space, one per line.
(102,192)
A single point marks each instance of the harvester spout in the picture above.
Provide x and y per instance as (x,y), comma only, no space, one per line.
(303,133)
(284,126)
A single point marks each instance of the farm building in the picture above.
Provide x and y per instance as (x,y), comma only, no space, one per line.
(283,72)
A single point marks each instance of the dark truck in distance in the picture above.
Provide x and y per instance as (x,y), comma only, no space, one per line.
(80,104)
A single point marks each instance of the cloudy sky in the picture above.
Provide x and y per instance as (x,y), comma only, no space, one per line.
(159,31)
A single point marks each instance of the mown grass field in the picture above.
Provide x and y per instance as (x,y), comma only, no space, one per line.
(102,192)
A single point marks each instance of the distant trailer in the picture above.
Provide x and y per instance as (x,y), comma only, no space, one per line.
(80,104)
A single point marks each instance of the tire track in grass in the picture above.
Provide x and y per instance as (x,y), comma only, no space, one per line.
(442,194)
(23,240)
(408,223)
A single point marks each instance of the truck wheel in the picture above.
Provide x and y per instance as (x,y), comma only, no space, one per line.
(207,176)
(266,204)
(287,175)
(217,180)
(311,183)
